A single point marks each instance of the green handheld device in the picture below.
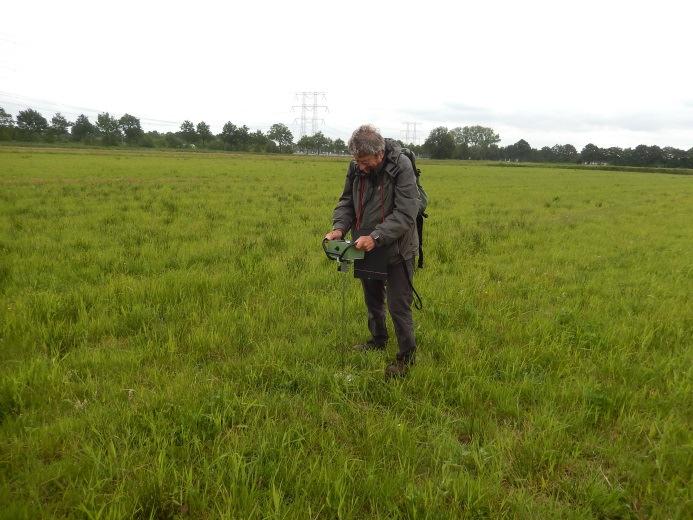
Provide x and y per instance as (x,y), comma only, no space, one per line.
(343,251)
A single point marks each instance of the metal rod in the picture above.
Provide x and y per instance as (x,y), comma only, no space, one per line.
(343,315)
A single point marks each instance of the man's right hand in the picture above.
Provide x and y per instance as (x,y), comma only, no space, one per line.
(335,234)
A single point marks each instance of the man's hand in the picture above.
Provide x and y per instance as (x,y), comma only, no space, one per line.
(365,243)
(335,234)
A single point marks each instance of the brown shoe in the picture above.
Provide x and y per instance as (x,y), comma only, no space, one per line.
(398,368)
(369,346)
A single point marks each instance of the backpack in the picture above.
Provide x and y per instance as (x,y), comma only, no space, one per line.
(423,203)
(423,200)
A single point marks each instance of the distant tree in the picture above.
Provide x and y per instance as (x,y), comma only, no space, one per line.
(647,155)
(477,138)
(188,132)
(6,125)
(458,136)
(613,155)
(564,153)
(321,143)
(60,127)
(494,153)
(674,158)
(571,153)
(480,136)
(521,151)
(6,120)
(173,140)
(153,139)
(627,157)
(131,128)
(243,138)
(545,154)
(656,155)
(340,147)
(591,154)
(440,144)
(82,129)
(271,147)
(147,141)
(31,123)
(461,150)
(306,144)
(280,134)
(109,130)
(257,141)
(228,135)
(418,149)
(236,137)
(557,153)
(204,133)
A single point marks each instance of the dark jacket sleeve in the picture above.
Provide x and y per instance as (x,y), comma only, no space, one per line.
(344,213)
(406,204)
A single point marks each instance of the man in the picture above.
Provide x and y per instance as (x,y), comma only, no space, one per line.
(379,205)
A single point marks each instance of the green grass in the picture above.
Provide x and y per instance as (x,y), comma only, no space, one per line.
(171,345)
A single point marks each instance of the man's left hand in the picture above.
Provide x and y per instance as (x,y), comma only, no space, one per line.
(365,243)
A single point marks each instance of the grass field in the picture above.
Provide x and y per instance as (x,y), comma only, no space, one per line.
(171,345)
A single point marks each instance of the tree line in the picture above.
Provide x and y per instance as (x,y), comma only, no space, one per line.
(107,130)
(466,143)
(481,143)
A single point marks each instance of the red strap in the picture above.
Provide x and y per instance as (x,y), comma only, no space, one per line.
(359,211)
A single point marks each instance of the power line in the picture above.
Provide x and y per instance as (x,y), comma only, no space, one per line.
(410,132)
(44,104)
(309,104)
(71,110)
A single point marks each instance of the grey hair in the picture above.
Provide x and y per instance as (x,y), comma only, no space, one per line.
(366,140)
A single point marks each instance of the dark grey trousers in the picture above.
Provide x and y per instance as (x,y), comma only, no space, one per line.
(399,300)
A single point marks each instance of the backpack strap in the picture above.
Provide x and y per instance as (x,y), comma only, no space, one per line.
(392,169)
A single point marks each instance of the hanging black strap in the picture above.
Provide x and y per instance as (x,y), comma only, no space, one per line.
(419,228)
(418,303)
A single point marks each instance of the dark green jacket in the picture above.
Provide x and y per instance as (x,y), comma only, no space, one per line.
(390,203)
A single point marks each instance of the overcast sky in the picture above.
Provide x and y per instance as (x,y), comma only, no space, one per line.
(611,72)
